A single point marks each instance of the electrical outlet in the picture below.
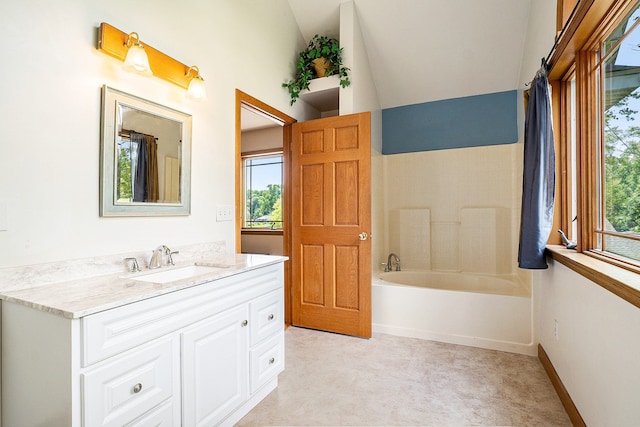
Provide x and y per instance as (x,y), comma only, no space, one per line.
(555,329)
(224,213)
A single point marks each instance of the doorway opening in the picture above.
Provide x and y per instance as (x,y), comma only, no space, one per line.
(263,136)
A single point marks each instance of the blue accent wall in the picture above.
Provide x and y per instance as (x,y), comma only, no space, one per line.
(472,121)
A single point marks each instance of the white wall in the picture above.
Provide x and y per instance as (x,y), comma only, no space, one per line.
(262,139)
(50,108)
(596,352)
(362,96)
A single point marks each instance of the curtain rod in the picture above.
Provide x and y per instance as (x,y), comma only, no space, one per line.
(545,61)
(127,133)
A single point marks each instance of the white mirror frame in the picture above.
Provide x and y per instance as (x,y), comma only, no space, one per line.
(111,99)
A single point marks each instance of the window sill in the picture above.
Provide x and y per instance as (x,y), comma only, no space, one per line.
(617,280)
(261,232)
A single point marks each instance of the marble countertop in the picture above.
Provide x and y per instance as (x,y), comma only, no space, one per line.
(82,297)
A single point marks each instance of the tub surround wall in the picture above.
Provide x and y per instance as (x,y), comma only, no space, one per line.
(462,201)
(480,242)
(486,240)
(410,235)
(455,211)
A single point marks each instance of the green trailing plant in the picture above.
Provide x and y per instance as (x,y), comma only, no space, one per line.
(319,47)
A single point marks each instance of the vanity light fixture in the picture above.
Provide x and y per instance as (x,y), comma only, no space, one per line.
(119,45)
(136,60)
(197,89)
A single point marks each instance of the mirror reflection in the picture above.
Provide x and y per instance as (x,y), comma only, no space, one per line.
(148,168)
(146,157)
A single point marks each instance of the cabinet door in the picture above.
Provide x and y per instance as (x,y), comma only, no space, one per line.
(215,362)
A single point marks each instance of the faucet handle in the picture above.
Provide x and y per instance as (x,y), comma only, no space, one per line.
(170,257)
(132,264)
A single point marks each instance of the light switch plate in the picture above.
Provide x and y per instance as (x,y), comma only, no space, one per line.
(224,213)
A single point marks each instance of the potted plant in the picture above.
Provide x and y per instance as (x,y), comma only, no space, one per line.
(321,58)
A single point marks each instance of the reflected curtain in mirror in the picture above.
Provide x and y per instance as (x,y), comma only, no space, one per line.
(144,169)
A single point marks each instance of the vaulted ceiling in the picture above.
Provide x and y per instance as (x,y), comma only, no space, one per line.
(426,50)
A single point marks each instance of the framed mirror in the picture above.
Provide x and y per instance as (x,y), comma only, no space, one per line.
(145,161)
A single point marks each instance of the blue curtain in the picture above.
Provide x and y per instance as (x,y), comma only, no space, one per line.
(140,174)
(539,179)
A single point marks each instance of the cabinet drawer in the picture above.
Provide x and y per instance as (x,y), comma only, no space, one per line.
(267,361)
(162,416)
(113,331)
(123,389)
(267,316)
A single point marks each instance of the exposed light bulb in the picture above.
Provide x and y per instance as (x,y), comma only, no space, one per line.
(197,89)
(137,60)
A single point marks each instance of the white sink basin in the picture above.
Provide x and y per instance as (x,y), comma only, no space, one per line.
(180,273)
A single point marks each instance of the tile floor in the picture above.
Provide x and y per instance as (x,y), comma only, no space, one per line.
(394,381)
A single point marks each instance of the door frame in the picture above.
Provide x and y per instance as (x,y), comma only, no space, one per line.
(286,122)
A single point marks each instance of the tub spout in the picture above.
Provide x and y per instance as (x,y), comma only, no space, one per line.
(392,258)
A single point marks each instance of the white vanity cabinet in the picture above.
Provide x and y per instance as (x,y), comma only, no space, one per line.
(200,356)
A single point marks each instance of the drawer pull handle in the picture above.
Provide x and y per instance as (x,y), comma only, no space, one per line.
(271,316)
(245,323)
(272,361)
(137,388)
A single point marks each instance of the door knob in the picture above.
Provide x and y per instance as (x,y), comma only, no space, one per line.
(363,235)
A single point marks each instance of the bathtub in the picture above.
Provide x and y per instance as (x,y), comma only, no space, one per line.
(481,311)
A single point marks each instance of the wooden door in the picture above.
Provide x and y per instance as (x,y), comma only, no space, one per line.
(331,221)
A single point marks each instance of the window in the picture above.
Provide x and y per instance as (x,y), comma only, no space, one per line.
(263,190)
(599,106)
(618,179)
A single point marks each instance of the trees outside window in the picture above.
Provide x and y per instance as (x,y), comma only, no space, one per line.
(263,191)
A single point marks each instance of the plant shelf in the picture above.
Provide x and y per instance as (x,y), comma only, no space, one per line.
(323,93)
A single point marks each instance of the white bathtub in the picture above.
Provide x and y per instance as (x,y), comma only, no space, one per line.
(481,311)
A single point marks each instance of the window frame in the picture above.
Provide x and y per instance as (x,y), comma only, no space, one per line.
(597,20)
(254,154)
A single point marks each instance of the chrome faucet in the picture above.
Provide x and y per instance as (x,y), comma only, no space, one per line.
(157,258)
(393,258)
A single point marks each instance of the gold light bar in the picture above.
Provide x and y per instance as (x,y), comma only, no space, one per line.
(113,42)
